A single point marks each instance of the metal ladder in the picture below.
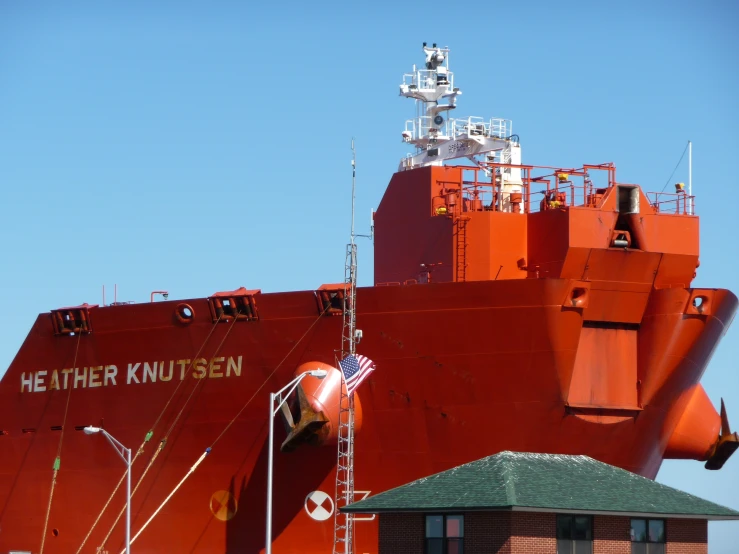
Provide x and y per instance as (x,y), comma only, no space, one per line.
(344,523)
(460,222)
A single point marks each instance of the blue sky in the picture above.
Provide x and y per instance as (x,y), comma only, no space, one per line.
(202,146)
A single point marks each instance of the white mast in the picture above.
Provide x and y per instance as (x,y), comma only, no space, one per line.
(349,315)
(439,137)
(690,177)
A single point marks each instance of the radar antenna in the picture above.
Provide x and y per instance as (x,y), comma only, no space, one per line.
(439,137)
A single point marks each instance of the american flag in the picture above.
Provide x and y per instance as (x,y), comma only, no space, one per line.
(355,368)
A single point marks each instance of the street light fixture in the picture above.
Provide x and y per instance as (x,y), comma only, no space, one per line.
(125,454)
(281,396)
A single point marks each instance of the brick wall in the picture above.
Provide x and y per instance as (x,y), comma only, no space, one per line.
(533,533)
(484,533)
(402,533)
(611,535)
(687,536)
(487,533)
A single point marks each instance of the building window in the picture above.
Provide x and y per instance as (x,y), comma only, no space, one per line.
(574,534)
(444,534)
(647,536)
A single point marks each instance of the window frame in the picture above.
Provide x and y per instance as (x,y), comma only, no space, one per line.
(573,541)
(444,538)
(646,521)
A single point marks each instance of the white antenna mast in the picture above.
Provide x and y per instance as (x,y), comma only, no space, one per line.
(690,177)
(344,523)
(438,137)
(350,338)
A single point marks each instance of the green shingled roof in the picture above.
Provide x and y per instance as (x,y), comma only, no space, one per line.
(541,482)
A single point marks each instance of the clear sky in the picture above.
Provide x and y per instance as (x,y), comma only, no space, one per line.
(202,146)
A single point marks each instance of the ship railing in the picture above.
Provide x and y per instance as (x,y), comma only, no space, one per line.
(501,128)
(410,130)
(541,195)
(421,127)
(532,199)
(545,196)
(486,188)
(483,190)
(471,126)
(426,80)
(407,161)
(679,203)
(477,126)
(557,188)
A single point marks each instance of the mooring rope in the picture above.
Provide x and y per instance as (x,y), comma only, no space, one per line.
(210,448)
(140,451)
(58,459)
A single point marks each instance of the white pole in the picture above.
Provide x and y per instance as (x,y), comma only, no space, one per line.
(125,455)
(128,503)
(281,396)
(690,176)
(268,544)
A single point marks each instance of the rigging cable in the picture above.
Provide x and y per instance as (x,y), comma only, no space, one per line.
(140,451)
(674,170)
(163,441)
(269,376)
(58,459)
(112,495)
(208,450)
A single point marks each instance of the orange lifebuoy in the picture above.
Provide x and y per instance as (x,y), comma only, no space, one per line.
(184,313)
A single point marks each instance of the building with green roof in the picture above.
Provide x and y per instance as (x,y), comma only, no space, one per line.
(518,502)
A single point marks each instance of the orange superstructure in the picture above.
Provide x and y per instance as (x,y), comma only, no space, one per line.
(514,308)
(623,262)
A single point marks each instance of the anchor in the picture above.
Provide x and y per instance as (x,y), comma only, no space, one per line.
(308,428)
(725,445)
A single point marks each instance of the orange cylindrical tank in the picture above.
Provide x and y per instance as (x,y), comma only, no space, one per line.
(324,396)
(697,429)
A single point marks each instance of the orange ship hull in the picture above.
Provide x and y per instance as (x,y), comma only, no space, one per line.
(514,308)
(464,370)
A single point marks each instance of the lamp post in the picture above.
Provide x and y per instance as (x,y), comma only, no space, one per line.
(125,454)
(281,396)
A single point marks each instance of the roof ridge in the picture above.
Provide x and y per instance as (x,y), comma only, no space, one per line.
(543,482)
(510,487)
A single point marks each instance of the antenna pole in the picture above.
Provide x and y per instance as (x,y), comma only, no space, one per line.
(344,523)
(354,185)
(352,342)
(690,176)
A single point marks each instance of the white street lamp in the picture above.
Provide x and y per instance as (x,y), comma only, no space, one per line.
(281,396)
(125,454)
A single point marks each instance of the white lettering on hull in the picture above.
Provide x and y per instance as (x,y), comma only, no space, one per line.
(106,375)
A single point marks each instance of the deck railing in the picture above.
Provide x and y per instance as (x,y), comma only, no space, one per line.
(480,190)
